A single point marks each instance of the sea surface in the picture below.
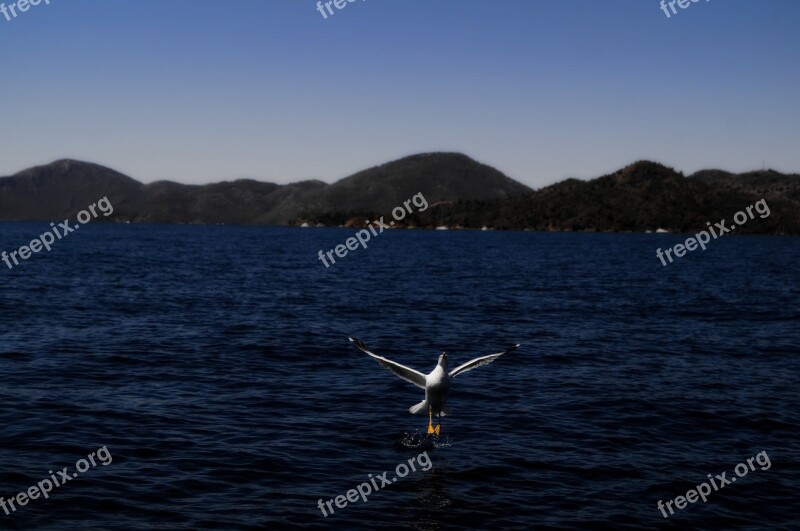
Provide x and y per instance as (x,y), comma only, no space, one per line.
(213,364)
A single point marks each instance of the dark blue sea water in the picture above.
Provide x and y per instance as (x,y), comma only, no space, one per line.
(213,364)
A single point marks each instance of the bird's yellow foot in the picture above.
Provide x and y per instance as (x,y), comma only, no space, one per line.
(430,428)
(438,429)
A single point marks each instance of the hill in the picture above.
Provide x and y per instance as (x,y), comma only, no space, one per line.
(60,189)
(643,196)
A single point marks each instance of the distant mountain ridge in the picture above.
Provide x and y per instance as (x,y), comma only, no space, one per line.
(462,193)
(64,187)
(640,197)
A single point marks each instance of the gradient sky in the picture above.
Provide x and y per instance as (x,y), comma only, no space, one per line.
(199,91)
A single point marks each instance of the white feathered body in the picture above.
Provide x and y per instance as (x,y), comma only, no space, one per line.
(437,386)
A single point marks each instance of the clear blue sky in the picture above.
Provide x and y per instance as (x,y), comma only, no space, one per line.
(199,91)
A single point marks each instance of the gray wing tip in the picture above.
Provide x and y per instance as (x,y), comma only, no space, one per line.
(358,343)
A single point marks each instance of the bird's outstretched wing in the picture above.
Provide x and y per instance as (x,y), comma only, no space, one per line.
(477,362)
(406,373)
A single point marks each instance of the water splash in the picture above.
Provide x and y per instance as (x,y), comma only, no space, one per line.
(420,440)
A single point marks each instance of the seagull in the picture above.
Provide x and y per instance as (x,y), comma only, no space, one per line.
(436,384)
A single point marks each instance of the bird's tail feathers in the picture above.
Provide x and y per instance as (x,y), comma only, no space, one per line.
(419,409)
